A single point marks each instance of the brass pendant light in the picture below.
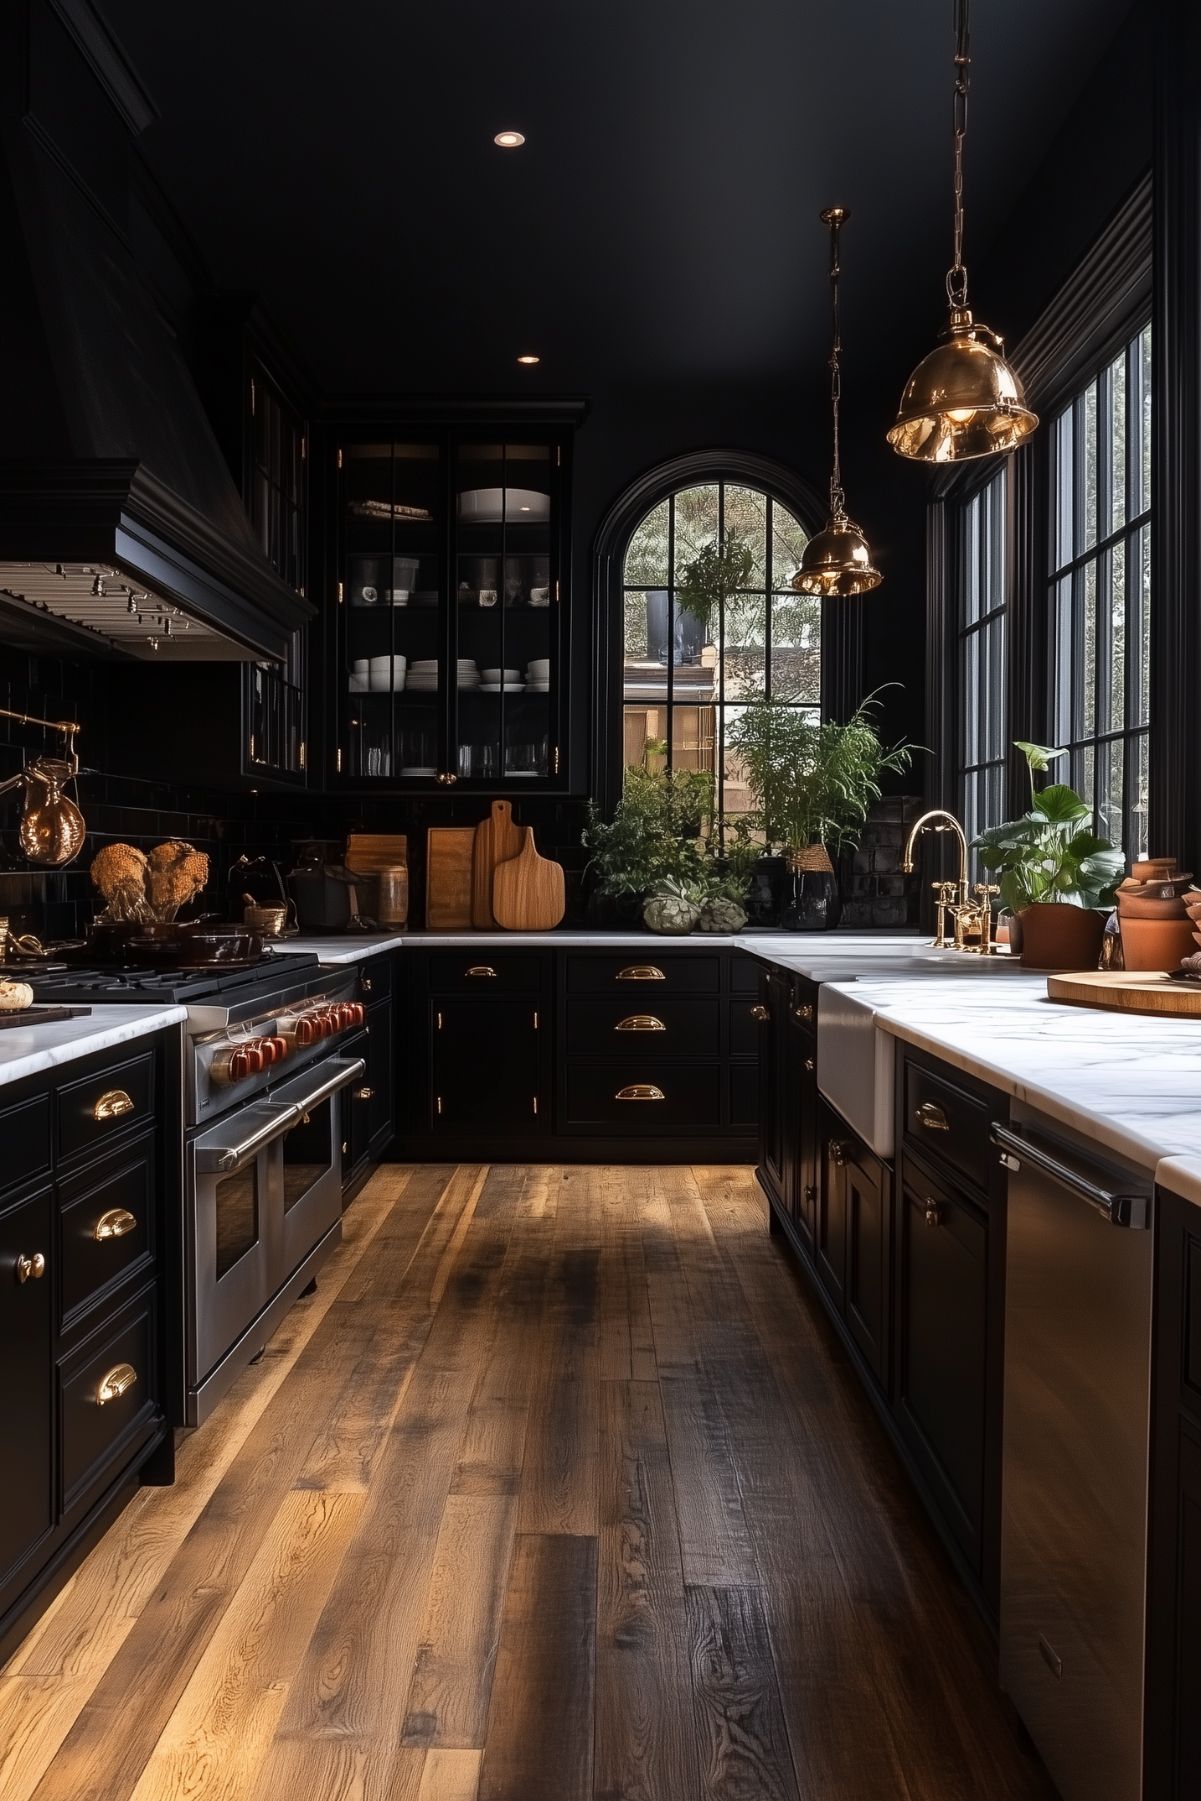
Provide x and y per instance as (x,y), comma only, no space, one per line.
(837,561)
(963,400)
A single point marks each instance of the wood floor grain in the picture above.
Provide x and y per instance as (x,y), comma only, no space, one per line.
(558,1489)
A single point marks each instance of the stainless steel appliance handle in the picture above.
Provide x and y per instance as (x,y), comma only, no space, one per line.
(343,1070)
(223,1158)
(1130,1210)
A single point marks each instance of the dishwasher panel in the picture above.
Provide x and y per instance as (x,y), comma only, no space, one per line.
(1075,1459)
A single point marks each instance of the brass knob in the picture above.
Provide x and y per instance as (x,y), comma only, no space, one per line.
(363,1094)
(760,1012)
(931,1117)
(640,1091)
(31,1269)
(116,1223)
(810,1065)
(480,969)
(112,1105)
(804,1011)
(810,1192)
(640,972)
(640,1022)
(366,984)
(933,1211)
(838,1152)
(115,1382)
(447,777)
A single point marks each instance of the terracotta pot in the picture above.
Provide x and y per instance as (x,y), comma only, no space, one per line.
(1141,906)
(1057,935)
(1155,943)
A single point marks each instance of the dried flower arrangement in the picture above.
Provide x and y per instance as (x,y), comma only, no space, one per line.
(140,888)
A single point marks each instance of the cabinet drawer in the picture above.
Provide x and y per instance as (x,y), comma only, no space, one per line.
(25,1135)
(375,978)
(652,971)
(679,1096)
(485,971)
(946,1124)
(101,1404)
(104,1104)
(668,1025)
(746,1026)
(107,1228)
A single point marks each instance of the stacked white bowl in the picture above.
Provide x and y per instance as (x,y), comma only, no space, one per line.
(385,674)
(496,681)
(537,676)
(359,680)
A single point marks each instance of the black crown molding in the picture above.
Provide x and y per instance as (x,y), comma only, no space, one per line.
(108,62)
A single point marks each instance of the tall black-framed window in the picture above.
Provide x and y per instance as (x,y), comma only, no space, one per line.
(684,680)
(982,714)
(1099,590)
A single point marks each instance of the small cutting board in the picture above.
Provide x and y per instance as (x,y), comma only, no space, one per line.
(527,891)
(1126,991)
(449,850)
(369,852)
(496,840)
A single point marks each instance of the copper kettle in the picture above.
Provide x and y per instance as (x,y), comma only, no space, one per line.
(52,829)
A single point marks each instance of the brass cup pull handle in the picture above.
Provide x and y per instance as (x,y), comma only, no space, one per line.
(113,1104)
(118,1222)
(640,1022)
(804,1011)
(933,1211)
(115,1382)
(640,1091)
(760,1012)
(640,972)
(31,1269)
(480,969)
(363,1094)
(810,1065)
(931,1116)
(365,984)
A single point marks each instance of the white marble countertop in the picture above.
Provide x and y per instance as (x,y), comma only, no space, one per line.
(27,1050)
(344,947)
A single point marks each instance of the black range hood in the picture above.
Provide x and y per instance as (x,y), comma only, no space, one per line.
(119,519)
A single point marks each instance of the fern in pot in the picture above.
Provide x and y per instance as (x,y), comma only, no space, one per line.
(814,783)
(1057,876)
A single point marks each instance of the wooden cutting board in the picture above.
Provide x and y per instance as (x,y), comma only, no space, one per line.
(369,852)
(1126,991)
(449,851)
(496,840)
(527,891)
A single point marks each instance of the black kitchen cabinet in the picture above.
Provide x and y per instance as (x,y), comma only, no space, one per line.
(26,1329)
(449,648)
(369,1105)
(1172,1727)
(852,1240)
(88,1205)
(487,1065)
(775,991)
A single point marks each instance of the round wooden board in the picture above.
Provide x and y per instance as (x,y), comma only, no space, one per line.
(1126,991)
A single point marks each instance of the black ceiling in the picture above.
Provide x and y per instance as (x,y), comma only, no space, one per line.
(660,224)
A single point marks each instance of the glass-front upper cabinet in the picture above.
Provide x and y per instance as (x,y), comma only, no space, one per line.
(450,607)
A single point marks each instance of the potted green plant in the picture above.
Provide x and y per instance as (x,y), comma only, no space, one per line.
(655,834)
(1056,875)
(814,782)
(706,584)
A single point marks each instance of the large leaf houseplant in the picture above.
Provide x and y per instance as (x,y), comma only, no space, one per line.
(814,783)
(1056,874)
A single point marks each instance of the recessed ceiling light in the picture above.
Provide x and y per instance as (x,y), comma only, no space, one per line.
(529,360)
(509,140)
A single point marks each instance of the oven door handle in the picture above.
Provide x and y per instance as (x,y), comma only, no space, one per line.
(223,1158)
(342,1070)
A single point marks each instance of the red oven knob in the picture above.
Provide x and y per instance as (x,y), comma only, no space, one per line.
(274,1049)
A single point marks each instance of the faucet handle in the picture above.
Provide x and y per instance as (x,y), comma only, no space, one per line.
(986,890)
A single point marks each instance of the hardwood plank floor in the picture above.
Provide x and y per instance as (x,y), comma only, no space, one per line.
(558,1487)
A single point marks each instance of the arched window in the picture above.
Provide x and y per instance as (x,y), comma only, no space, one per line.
(688,666)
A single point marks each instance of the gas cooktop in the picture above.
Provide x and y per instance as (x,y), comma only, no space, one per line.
(60,982)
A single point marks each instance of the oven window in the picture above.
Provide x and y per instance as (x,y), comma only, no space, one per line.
(237,1207)
(307,1154)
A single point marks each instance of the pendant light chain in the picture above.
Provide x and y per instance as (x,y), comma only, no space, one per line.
(837,497)
(957,274)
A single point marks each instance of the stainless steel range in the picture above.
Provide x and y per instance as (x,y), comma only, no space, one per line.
(262,1151)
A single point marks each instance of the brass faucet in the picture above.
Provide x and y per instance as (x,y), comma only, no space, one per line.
(973,918)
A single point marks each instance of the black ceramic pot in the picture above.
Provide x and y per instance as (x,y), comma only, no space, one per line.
(812,902)
(769,879)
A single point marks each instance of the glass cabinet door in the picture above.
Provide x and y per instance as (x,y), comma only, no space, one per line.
(506,613)
(393,623)
(449,611)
